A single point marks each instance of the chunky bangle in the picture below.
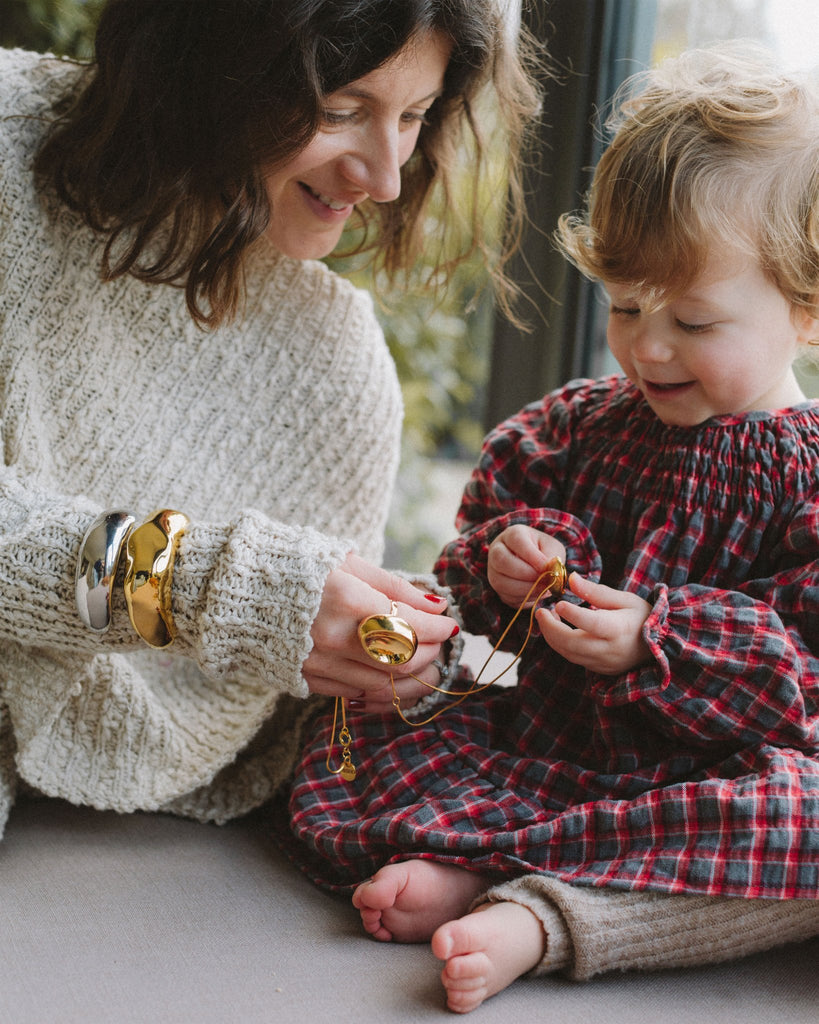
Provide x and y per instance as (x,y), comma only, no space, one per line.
(97,567)
(150,551)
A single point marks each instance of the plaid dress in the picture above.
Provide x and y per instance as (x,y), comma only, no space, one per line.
(697,772)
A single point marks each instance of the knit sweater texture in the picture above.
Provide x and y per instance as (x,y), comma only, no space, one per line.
(278,435)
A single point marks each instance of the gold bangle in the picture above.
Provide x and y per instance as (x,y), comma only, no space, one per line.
(150,551)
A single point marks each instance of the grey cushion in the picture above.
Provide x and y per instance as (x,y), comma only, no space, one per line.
(155,920)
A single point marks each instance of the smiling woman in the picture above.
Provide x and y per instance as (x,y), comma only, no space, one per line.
(248,97)
(172,353)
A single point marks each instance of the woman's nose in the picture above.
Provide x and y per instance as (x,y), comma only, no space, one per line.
(375,165)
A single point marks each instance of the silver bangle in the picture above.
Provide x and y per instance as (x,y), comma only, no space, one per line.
(97,567)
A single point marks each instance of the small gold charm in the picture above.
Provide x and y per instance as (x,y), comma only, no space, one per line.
(555,576)
(347,769)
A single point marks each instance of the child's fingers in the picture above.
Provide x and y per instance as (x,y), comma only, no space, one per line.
(521,540)
(534,547)
(508,564)
(601,596)
(555,630)
(587,619)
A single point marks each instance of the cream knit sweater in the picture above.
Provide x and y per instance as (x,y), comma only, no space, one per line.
(278,436)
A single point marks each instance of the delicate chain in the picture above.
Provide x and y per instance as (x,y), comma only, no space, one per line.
(347,768)
(557,578)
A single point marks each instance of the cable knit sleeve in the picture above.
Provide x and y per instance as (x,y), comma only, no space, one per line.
(246,597)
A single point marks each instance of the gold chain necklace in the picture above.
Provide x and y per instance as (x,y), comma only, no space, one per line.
(391,640)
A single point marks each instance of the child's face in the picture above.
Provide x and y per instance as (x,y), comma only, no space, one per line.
(726,346)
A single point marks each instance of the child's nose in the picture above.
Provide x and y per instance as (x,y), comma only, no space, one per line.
(650,346)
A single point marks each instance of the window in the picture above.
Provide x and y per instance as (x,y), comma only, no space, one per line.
(594,44)
(602,42)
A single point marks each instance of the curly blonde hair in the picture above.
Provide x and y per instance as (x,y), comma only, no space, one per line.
(714,148)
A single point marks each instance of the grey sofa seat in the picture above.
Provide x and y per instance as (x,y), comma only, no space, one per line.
(149,919)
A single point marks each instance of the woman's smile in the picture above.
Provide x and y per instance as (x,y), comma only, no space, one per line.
(325,204)
(368,131)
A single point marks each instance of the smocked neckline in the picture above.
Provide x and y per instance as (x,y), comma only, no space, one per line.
(715,423)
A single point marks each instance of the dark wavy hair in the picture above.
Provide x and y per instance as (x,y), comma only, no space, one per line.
(164,145)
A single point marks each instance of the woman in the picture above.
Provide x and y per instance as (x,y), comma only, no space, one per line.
(167,342)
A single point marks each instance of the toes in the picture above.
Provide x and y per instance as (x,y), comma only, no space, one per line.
(360,895)
(374,925)
(381,933)
(464,1002)
(467,971)
(464,994)
(452,939)
(379,893)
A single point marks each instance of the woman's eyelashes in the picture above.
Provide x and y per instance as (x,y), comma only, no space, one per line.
(338,118)
(332,118)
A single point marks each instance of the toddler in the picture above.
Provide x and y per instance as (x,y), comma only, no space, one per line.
(647,795)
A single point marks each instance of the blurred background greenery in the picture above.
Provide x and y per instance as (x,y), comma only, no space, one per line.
(65,27)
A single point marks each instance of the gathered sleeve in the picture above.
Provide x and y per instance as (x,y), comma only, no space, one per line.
(519,479)
(735,666)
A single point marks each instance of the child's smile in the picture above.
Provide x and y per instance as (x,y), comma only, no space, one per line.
(724,347)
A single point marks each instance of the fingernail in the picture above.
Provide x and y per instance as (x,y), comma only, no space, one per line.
(455,631)
(434,598)
(355,705)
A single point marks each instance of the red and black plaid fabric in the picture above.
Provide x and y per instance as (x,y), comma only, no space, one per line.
(698,772)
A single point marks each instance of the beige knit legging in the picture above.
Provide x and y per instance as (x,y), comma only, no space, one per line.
(589,930)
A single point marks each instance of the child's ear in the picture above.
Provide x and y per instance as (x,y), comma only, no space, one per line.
(806,325)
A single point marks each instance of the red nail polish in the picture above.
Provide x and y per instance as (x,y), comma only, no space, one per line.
(434,597)
(455,631)
(355,705)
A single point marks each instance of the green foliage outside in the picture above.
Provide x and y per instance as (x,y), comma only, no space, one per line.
(65,27)
(441,353)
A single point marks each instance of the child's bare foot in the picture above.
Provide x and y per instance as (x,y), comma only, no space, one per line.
(486,950)
(406,902)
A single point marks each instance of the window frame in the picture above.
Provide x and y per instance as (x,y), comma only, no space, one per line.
(593,45)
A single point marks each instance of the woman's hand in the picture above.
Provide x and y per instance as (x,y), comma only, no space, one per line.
(516,558)
(607,638)
(339,666)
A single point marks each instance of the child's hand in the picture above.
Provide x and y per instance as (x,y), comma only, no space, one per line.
(608,636)
(516,558)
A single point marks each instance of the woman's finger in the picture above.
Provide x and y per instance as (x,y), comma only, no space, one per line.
(395,588)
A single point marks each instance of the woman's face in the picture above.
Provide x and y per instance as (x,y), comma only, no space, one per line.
(369,129)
